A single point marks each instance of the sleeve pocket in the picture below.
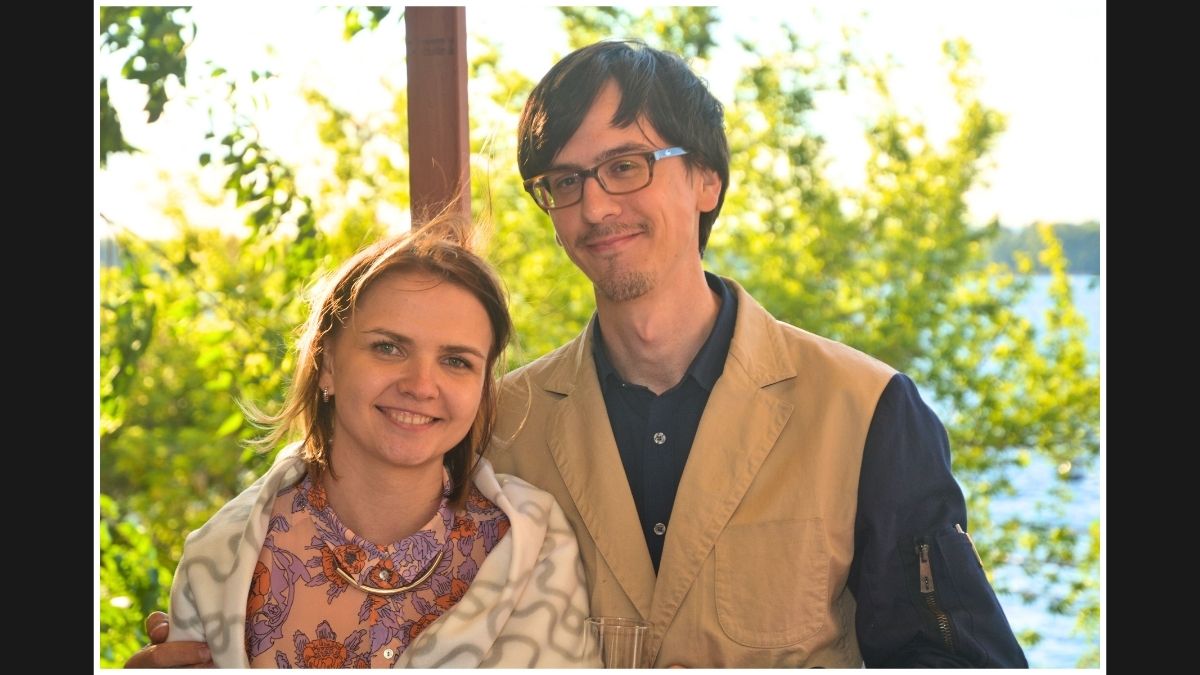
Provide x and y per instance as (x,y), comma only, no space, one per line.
(975,612)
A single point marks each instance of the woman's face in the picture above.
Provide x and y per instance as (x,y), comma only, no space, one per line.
(406,373)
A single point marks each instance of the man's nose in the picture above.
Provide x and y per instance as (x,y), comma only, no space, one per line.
(596,203)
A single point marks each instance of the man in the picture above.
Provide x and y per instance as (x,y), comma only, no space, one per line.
(759,495)
(733,444)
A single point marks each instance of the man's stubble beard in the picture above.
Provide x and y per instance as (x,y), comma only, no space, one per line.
(624,286)
(614,284)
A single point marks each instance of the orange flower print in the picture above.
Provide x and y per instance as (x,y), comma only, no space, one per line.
(478,501)
(329,565)
(457,588)
(351,557)
(420,625)
(316,496)
(321,653)
(384,575)
(327,652)
(260,585)
(464,527)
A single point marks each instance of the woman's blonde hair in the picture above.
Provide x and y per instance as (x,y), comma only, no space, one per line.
(441,247)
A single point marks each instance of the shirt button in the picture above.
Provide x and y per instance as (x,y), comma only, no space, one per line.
(659,528)
(660,438)
(388,653)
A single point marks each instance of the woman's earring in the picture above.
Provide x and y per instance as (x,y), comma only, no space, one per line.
(324,394)
(557,240)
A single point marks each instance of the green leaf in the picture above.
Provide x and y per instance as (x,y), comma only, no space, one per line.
(231,424)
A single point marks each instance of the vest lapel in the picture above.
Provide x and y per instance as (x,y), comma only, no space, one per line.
(582,444)
(740,426)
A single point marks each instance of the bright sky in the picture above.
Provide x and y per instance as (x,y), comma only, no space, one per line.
(1041,63)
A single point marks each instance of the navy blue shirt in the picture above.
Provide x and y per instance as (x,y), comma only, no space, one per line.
(654,434)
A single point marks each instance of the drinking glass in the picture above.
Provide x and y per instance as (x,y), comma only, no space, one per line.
(615,642)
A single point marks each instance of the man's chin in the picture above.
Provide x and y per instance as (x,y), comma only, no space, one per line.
(624,287)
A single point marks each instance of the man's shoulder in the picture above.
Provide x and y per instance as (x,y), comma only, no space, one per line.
(813,345)
(508,494)
(537,366)
(527,393)
(540,368)
(805,348)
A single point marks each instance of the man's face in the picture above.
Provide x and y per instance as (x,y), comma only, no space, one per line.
(632,244)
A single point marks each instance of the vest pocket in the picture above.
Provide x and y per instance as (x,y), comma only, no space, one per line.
(772,582)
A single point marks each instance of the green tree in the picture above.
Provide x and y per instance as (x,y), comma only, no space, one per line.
(1081,245)
(154,41)
(131,575)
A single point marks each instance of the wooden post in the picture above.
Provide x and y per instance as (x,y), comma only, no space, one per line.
(438,143)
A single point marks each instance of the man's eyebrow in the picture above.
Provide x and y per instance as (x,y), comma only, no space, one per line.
(622,149)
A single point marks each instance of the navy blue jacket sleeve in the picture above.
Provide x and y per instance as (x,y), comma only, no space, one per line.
(923,598)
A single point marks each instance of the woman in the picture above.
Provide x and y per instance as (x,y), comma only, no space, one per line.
(383,538)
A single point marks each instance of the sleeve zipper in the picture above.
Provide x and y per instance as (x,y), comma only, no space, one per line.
(929,595)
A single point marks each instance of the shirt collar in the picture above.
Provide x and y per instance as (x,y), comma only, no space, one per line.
(439,524)
(709,362)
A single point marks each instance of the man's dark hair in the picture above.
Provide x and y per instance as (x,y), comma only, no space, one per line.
(653,83)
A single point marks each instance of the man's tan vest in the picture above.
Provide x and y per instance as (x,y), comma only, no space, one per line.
(761,537)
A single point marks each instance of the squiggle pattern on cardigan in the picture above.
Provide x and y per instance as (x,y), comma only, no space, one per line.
(525,608)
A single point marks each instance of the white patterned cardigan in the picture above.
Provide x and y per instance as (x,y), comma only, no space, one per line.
(525,608)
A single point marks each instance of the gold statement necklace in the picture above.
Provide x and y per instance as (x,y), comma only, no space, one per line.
(385,575)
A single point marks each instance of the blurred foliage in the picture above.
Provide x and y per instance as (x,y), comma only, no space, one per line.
(1081,245)
(373,16)
(132,575)
(685,30)
(191,325)
(153,39)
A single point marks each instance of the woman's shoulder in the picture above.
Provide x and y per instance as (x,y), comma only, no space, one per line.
(231,519)
(480,507)
(510,492)
(534,514)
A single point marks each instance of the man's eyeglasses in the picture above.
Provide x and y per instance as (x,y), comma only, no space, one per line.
(616,176)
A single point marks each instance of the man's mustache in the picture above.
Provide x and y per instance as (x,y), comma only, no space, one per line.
(602,232)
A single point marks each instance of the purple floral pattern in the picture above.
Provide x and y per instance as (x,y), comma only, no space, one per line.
(296,593)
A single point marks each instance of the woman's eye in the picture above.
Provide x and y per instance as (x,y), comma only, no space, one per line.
(458,362)
(386,348)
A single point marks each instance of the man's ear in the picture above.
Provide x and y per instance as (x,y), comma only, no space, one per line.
(710,189)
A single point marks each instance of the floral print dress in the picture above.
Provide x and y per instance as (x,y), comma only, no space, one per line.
(301,613)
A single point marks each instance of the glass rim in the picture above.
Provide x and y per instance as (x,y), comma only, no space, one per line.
(618,622)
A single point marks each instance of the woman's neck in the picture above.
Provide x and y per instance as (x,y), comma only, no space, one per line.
(384,507)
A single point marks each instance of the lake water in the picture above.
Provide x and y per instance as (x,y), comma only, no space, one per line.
(1061,646)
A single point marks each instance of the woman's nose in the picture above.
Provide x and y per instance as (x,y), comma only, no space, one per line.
(419,380)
